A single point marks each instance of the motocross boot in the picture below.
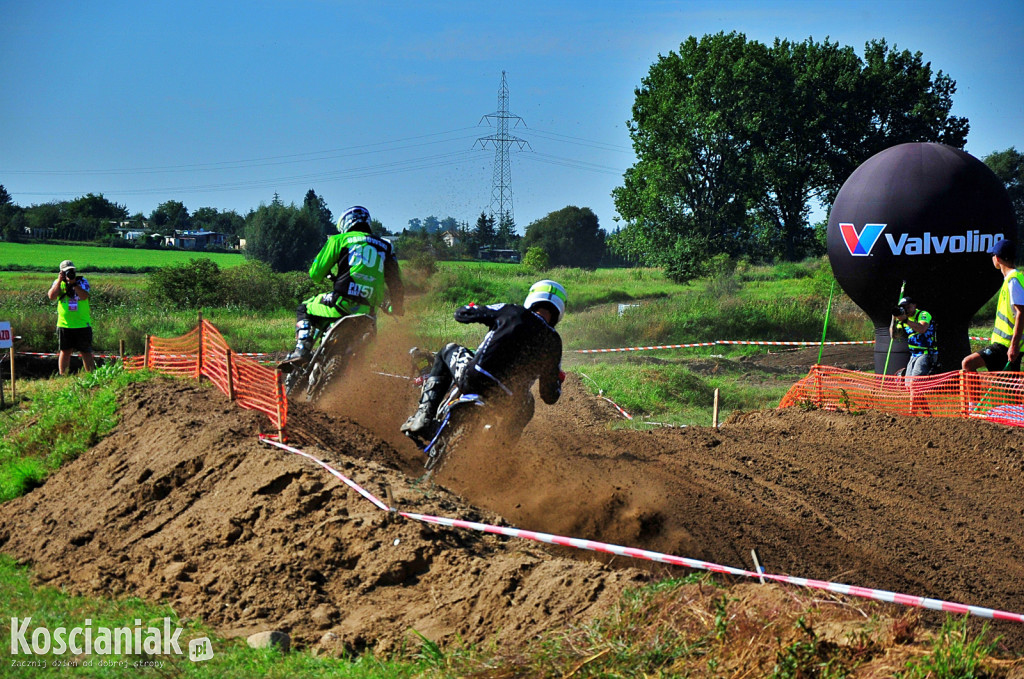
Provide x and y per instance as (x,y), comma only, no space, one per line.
(303,346)
(299,355)
(421,422)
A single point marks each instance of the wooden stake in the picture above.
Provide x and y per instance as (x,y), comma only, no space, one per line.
(757,565)
(14,392)
(280,393)
(120,348)
(231,379)
(145,362)
(390,497)
(714,414)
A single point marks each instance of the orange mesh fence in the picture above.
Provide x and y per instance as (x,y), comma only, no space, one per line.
(996,397)
(204,352)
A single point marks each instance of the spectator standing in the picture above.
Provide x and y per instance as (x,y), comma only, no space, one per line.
(74,324)
(917,325)
(1005,350)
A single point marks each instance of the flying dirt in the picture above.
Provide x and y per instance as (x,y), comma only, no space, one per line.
(182,503)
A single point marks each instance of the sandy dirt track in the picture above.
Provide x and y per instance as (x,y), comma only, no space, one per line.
(181,503)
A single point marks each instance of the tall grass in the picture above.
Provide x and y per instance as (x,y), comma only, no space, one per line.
(674,392)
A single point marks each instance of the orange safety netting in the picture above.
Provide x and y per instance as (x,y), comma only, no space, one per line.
(996,397)
(204,352)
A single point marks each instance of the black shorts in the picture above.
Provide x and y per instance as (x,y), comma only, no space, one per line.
(995,356)
(75,339)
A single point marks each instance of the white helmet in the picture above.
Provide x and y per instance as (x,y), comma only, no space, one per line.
(356,217)
(550,293)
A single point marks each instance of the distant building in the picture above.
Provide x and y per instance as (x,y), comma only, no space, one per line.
(489,255)
(450,238)
(196,240)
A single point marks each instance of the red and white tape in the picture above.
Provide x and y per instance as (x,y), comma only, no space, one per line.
(717,342)
(341,477)
(634,553)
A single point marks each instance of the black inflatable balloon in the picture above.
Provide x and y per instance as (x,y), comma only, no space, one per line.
(925,214)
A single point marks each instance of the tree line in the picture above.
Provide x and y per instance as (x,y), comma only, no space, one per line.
(287,237)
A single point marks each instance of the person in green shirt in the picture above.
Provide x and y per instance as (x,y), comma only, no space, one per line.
(74,325)
(362,266)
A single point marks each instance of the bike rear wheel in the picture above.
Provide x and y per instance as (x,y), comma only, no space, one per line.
(454,435)
(339,357)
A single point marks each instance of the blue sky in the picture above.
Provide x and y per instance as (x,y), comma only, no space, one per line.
(222,104)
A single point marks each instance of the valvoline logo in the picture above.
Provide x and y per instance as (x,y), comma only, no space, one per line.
(860,244)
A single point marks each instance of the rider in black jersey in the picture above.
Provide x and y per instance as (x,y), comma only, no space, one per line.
(520,348)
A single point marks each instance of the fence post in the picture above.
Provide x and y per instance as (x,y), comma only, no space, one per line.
(714,413)
(120,348)
(231,379)
(14,389)
(199,360)
(819,393)
(964,394)
(280,395)
(145,360)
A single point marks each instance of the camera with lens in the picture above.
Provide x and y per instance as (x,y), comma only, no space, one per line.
(899,310)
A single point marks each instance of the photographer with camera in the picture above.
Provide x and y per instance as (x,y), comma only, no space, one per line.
(917,325)
(74,325)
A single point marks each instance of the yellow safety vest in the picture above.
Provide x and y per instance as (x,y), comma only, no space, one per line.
(1002,333)
(72,312)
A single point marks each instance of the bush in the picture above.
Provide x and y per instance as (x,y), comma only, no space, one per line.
(192,285)
(536,259)
(423,263)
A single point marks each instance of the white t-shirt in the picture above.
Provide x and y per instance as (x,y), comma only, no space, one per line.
(1016,290)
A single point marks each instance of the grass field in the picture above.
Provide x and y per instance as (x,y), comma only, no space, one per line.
(90,258)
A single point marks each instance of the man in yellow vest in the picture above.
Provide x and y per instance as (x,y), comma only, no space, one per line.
(1005,351)
(74,326)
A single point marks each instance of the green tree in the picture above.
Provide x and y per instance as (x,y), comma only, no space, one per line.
(688,194)
(505,236)
(320,213)
(1008,165)
(43,218)
(12,218)
(735,140)
(792,129)
(901,100)
(94,207)
(285,237)
(171,216)
(570,237)
(484,234)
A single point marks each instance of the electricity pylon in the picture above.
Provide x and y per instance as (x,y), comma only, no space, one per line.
(501,184)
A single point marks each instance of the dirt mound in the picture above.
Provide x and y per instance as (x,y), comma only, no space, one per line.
(185,505)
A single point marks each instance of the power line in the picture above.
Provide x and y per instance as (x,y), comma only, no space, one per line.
(265,161)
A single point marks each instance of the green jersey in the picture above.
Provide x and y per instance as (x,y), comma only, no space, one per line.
(362,265)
